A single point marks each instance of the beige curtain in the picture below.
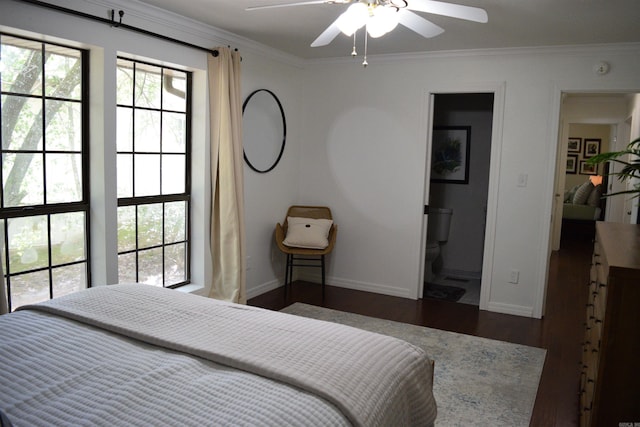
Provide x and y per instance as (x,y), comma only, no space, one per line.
(227,189)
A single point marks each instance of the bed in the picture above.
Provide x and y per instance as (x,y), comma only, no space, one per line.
(134,354)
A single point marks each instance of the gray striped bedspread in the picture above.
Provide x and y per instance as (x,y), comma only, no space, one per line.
(123,355)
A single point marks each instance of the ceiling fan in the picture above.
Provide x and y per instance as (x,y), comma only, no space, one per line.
(382,16)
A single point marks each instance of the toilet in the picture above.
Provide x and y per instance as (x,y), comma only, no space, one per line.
(439,221)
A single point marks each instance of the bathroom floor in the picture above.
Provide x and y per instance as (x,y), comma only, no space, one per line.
(470,285)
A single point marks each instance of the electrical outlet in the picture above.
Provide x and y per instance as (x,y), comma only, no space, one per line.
(248,266)
(514,277)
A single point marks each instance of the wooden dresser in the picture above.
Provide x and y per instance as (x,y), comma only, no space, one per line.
(610,377)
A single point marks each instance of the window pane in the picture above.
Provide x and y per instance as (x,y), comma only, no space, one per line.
(147,175)
(150,266)
(69,279)
(29,288)
(125,175)
(22,176)
(124,128)
(67,238)
(64,179)
(21,123)
(173,174)
(125,82)
(147,131)
(175,89)
(174,264)
(149,225)
(147,86)
(127,268)
(28,244)
(174,133)
(175,214)
(63,72)
(126,228)
(22,65)
(63,126)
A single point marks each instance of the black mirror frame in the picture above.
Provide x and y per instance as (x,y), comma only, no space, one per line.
(284,130)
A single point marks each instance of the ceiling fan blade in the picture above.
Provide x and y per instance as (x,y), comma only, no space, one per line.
(327,35)
(300,3)
(418,24)
(459,11)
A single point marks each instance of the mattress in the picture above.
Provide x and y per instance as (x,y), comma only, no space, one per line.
(139,355)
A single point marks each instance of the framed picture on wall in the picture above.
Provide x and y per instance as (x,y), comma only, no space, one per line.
(575,145)
(450,154)
(588,169)
(572,164)
(591,147)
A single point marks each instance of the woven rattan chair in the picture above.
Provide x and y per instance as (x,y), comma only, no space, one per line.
(303,257)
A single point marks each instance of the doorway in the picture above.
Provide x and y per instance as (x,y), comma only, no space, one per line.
(457,195)
(601,119)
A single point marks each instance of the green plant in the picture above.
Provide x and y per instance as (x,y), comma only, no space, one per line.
(630,169)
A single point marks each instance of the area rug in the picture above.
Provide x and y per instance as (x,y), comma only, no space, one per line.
(478,381)
(444,292)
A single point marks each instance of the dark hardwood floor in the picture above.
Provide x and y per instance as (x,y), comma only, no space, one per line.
(560,332)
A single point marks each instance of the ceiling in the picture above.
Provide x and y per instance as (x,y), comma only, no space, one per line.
(512,24)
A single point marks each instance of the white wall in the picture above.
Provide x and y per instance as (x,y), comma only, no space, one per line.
(268,195)
(366,152)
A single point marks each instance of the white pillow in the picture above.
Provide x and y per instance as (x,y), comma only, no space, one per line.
(307,232)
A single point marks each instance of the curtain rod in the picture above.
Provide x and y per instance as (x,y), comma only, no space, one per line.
(118,24)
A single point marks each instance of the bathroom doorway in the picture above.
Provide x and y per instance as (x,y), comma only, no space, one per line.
(457,194)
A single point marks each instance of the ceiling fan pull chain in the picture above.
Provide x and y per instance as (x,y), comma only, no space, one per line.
(366,39)
(353,52)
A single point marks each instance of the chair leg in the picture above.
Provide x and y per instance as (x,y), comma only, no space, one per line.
(286,275)
(290,283)
(322,261)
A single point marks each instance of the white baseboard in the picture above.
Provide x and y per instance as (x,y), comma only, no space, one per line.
(516,310)
(263,288)
(357,285)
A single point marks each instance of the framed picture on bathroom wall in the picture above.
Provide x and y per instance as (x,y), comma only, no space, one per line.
(450,154)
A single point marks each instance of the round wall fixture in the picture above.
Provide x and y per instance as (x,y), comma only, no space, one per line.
(264,130)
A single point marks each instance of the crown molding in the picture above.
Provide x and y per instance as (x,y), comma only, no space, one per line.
(155,19)
(563,50)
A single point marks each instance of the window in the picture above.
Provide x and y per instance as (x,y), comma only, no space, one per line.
(153,155)
(44,208)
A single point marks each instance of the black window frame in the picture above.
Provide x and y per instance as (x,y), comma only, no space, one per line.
(49,209)
(162,199)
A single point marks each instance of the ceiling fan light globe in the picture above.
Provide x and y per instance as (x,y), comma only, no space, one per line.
(384,20)
(353,19)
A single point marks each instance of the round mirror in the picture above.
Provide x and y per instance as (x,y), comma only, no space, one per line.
(264,130)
